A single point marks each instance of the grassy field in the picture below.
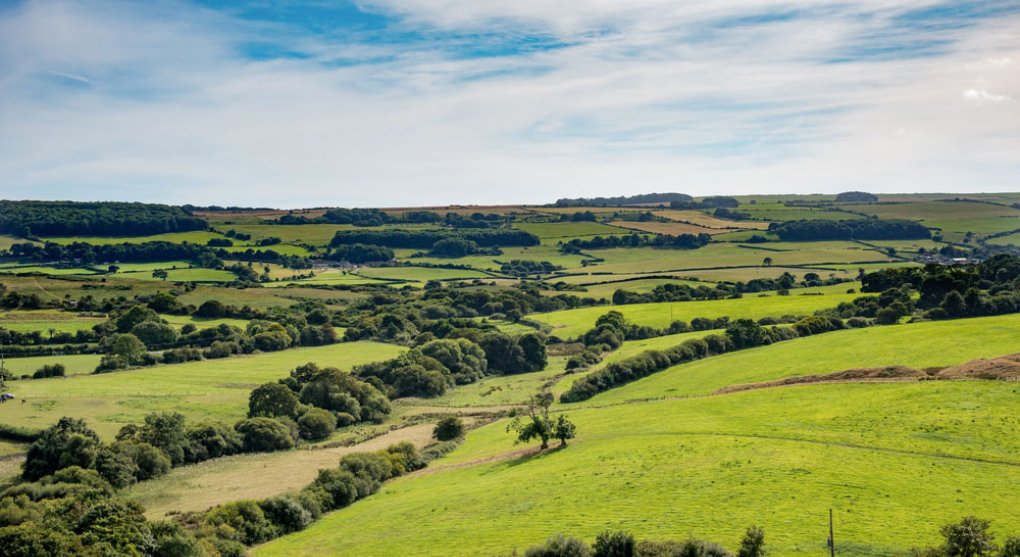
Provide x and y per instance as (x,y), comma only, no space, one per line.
(492,263)
(420,274)
(955,219)
(709,221)
(554,232)
(46,320)
(203,322)
(778,212)
(76,364)
(211,389)
(779,458)
(200,486)
(669,228)
(193,237)
(574,322)
(917,345)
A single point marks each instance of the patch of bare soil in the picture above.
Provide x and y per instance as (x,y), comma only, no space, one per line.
(888,373)
(1001,368)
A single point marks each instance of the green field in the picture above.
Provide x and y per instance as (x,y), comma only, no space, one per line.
(709,467)
(76,364)
(419,274)
(203,322)
(918,345)
(193,237)
(556,232)
(330,277)
(955,219)
(211,389)
(47,320)
(803,301)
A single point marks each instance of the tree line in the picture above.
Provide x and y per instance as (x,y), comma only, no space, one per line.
(425,239)
(72,218)
(853,229)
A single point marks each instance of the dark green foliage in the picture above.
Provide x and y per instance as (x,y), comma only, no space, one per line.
(448,428)
(426,239)
(117,524)
(340,392)
(639,199)
(525,267)
(286,513)
(453,247)
(465,360)
(316,424)
(682,241)
(508,354)
(856,197)
(1011,547)
(219,242)
(211,309)
(123,463)
(71,218)
(155,335)
(745,333)
(687,548)
(272,400)
(54,370)
(560,546)
(360,253)
(122,350)
(532,421)
(265,435)
(246,518)
(33,539)
(753,543)
(615,544)
(70,442)
(212,440)
(968,538)
(163,430)
(856,229)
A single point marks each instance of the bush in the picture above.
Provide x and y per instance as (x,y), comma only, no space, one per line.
(286,513)
(448,428)
(271,400)
(340,487)
(614,544)
(265,435)
(560,546)
(212,440)
(246,518)
(753,543)
(316,424)
(70,442)
(55,370)
(687,548)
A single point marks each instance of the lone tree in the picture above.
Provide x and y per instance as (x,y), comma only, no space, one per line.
(160,274)
(533,422)
(753,543)
(767,262)
(968,538)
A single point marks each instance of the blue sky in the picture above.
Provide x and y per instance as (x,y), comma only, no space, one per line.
(425,102)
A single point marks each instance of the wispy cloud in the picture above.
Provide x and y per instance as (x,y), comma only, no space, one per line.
(388,102)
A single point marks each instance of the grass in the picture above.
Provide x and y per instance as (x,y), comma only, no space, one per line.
(574,322)
(955,219)
(642,286)
(46,270)
(553,232)
(669,228)
(211,389)
(709,467)
(214,482)
(917,345)
(420,274)
(193,237)
(493,262)
(203,322)
(709,221)
(260,298)
(76,364)
(45,320)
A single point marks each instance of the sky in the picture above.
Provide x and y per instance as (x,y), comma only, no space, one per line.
(309,103)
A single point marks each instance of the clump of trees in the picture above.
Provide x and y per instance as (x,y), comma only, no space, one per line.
(426,239)
(854,229)
(360,253)
(532,421)
(856,197)
(526,267)
(681,241)
(72,218)
(639,199)
(971,537)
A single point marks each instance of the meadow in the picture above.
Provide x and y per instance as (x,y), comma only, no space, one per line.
(76,364)
(210,389)
(779,458)
(917,345)
(802,301)
(48,320)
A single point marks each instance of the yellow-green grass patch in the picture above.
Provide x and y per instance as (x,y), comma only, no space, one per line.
(75,364)
(802,301)
(210,389)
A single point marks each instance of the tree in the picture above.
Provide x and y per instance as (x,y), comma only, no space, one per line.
(316,424)
(615,544)
(560,546)
(126,346)
(265,435)
(155,335)
(532,421)
(767,262)
(137,314)
(163,430)
(968,538)
(448,428)
(160,274)
(563,429)
(271,400)
(1012,547)
(70,442)
(753,543)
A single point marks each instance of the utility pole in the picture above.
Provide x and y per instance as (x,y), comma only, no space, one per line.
(832,541)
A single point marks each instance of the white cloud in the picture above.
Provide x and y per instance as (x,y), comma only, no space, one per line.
(980,95)
(647,97)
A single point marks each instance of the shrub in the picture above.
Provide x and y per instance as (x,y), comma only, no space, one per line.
(70,442)
(55,370)
(614,544)
(340,486)
(968,538)
(753,543)
(246,518)
(448,428)
(687,548)
(286,513)
(271,400)
(560,546)
(212,440)
(316,424)
(265,435)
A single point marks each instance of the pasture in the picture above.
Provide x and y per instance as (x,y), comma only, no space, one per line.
(210,389)
(76,364)
(48,320)
(802,301)
(917,345)
(779,458)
